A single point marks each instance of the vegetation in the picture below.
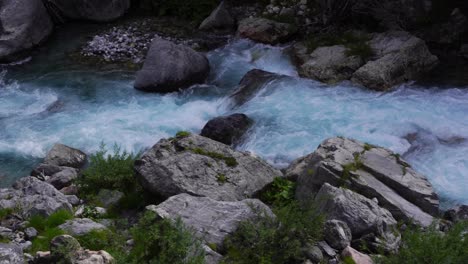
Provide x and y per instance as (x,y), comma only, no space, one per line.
(108,240)
(279,192)
(182,134)
(432,247)
(47,228)
(194,10)
(222,178)
(351,167)
(6,212)
(356,43)
(230,161)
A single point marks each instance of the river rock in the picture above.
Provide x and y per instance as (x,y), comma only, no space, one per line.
(11,254)
(169,67)
(211,220)
(337,234)
(363,216)
(98,11)
(227,129)
(220,18)
(61,155)
(329,64)
(265,31)
(372,171)
(457,213)
(33,197)
(24,24)
(203,167)
(399,57)
(252,82)
(81,226)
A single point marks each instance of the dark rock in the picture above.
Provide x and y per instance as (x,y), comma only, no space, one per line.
(457,214)
(169,67)
(11,254)
(227,129)
(109,198)
(203,167)
(61,155)
(337,234)
(45,169)
(220,18)
(24,24)
(265,31)
(314,253)
(98,11)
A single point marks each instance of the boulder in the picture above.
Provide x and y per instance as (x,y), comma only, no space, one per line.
(24,24)
(81,226)
(330,64)
(356,256)
(34,197)
(227,129)
(169,67)
(211,220)
(63,178)
(457,213)
(98,11)
(399,57)
(66,249)
(61,155)
(364,217)
(251,84)
(371,171)
(11,254)
(45,169)
(203,167)
(220,19)
(265,31)
(337,234)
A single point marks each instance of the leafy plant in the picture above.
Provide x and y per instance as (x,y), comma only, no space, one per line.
(279,192)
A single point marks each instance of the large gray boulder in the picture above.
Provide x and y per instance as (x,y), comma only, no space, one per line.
(372,171)
(169,67)
(98,11)
(81,226)
(203,167)
(61,155)
(11,254)
(220,19)
(366,219)
(34,197)
(227,129)
(265,31)
(330,64)
(23,25)
(400,57)
(211,220)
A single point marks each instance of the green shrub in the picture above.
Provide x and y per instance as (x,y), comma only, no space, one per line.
(432,247)
(42,241)
(195,10)
(164,241)
(47,228)
(271,240)
(279,192)
(182,134)
(6,212)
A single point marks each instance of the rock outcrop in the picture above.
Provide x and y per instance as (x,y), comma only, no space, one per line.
(219,19)
(265,31)
(98,11)
(227,129)
(211,220)
(24,24)
(203,167)
(372,171)
(169,67)
(61,155)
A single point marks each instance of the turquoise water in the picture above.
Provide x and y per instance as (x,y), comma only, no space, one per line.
(292,115)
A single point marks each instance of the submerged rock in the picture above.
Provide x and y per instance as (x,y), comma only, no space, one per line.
(61,155)
(211,220)
(98,11)
(266,31)
(203,167)
(220,18)
(227,129)
(24,24)
(169,67)
(372,171)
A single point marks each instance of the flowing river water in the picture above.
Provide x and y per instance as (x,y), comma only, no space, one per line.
(50,99)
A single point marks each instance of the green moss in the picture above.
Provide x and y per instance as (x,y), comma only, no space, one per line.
(221,178)
(183,134)
(229,161)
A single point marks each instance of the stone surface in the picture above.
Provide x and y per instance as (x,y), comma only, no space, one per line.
(64,247)
(61,155)
(63,178)
(458,213)
(337,234)
(227,129)
(11,254)
(30,233)
(265,31)
(211,256)
(24,24)
(400,57)
(329,64)
(203,167)
(94,257)
(356,256)
(169,67)
(363,216)
(98,11)
(379,174)
(109,198)
(220,18)
(81,226)
(211,220)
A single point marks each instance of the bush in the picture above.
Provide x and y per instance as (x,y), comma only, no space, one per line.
(164,241)
(279,192)
(432,247)
(47,228)
(271,240)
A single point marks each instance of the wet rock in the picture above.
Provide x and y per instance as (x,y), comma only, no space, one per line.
(457,214)
(11,254)
(371,171)
(81,226)
(61,155)
(98,11)
(211,220)
(363,216)
(227,129)
(169,67)
(55,107)
(356,256)
(399,57)
(24,24)
(265,31)
(203,167)
(337,234)
(219,19)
